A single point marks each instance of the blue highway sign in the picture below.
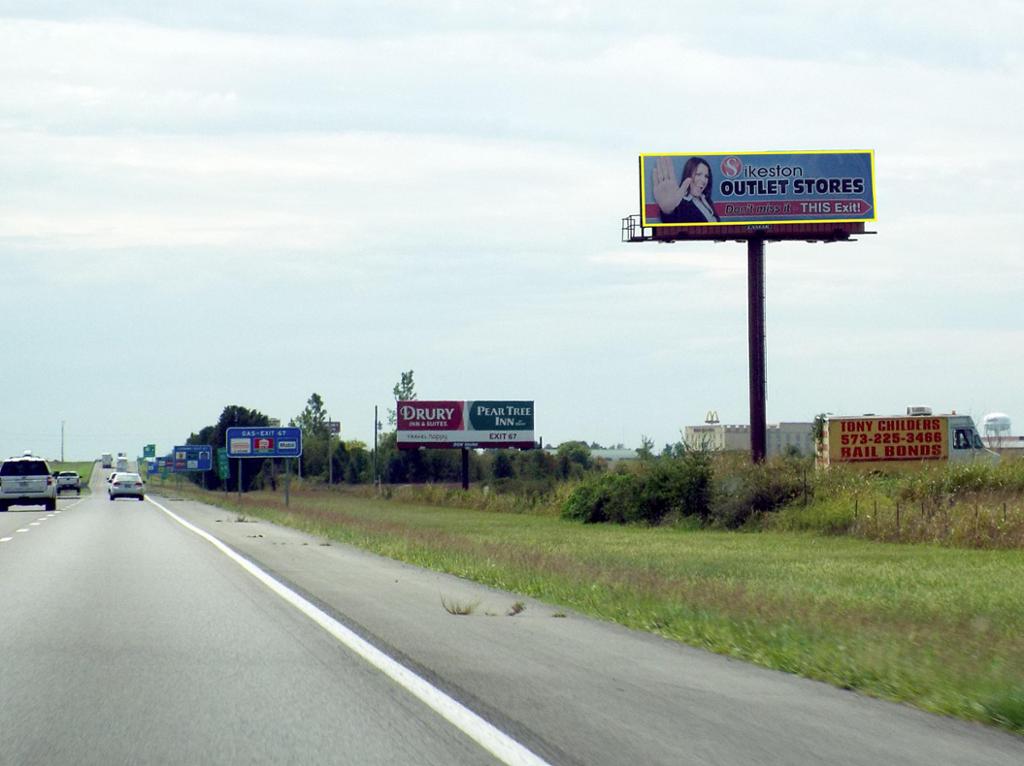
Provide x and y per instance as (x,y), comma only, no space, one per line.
(252,441)
(193,457)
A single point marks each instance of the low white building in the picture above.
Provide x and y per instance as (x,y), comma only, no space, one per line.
(1005,445)
(781,438)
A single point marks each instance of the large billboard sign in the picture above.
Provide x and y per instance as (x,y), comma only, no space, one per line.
(254,441)
(472,424)
(719,188)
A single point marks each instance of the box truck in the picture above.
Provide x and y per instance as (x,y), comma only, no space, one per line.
(912,440)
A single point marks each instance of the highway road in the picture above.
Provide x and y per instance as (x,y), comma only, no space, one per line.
(174,632)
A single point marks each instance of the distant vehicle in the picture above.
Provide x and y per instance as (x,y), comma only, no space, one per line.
(122,463)
(68,480)
(126,485)
(912,440)
(27,480)
(107,460)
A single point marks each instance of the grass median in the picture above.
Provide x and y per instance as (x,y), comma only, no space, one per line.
(938,627)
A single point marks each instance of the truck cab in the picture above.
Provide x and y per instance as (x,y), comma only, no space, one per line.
(965,442)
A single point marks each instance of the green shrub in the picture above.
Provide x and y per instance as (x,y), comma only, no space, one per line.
(749,490)
(652,492)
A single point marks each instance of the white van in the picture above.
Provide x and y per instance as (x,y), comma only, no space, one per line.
(122,464)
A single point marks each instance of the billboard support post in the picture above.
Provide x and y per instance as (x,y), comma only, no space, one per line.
(287,479)
(753,197)
(239,478)
(756,348)
(465,468)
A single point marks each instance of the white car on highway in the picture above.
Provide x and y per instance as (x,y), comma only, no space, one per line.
(126,485)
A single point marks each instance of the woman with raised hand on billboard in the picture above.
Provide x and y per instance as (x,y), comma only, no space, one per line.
(686,202)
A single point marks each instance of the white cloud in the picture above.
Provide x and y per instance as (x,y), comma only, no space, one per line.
(453,184)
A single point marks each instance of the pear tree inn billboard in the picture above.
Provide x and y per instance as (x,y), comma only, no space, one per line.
(729,188)
(471,424)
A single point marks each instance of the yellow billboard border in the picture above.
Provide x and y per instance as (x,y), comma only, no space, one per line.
(643,190)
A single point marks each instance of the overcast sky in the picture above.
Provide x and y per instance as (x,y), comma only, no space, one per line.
(217,203)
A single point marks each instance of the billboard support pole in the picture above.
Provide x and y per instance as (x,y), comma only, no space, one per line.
(465,468)
(239,478)
(756,348)
(287,479)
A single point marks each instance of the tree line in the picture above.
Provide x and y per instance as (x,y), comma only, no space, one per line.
(325,458)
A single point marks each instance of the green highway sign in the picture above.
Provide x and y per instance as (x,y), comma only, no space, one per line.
(223,470)
(149,450)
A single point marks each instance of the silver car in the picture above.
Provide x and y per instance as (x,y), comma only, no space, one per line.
(126,485)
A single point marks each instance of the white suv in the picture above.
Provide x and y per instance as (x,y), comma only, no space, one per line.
(27,480)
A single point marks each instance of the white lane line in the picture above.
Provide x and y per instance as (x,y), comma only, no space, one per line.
(33,523)
(23,529)
(5,539)
(488,736)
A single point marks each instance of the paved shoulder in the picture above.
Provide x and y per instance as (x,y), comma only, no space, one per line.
(577,690)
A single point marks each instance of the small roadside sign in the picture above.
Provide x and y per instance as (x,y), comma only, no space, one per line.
(223,469)
(334,427)
(149,450)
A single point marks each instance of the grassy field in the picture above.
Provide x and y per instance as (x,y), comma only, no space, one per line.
(939,627)
(971,506)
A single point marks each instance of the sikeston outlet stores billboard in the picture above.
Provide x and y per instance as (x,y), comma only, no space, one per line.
(471,424)
(717,188)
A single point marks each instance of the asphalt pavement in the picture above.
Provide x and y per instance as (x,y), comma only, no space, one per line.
(175,632)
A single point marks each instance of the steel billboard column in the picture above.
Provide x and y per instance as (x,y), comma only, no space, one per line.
(756,348)
(465,468)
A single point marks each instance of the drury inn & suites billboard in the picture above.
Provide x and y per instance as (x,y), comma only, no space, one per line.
(457,424)
(717,188)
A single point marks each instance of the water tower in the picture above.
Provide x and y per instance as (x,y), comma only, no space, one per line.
(996,425)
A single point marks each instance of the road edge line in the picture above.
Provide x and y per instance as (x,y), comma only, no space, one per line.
(489,737)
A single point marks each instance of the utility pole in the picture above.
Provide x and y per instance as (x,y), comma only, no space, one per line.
(62,441)
(376,424)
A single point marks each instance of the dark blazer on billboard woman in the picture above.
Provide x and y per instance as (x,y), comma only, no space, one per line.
(687,211)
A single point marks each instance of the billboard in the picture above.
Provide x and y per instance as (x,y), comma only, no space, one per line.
(455,424)
(728,188)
